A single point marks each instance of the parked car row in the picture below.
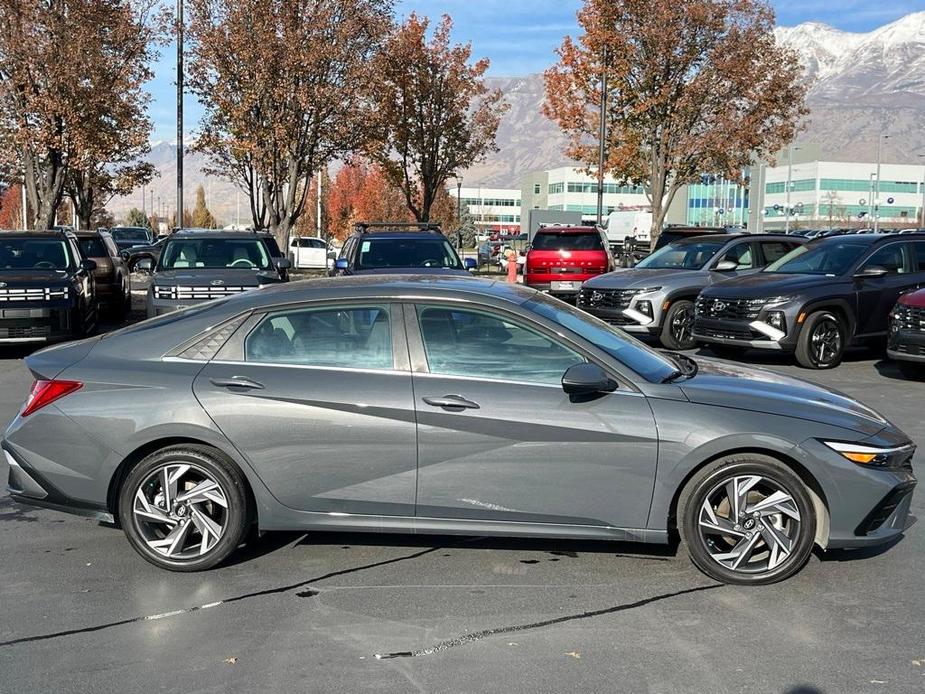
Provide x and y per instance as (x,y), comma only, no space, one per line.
(733,292)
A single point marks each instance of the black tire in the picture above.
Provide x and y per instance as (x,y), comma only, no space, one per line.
(704,547)
(822,341)
(728,351)
(914,371)
(213,465)
(677,327)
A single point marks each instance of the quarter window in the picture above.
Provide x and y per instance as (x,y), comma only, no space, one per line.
(775,250)
(919,250)
(484,345)
(332,337)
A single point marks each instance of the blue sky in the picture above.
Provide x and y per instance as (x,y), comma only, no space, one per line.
(520,36)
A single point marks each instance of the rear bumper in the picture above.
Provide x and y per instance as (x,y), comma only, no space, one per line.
(27,486)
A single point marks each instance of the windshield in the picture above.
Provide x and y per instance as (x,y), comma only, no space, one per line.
(412,252)
(130,234)
(34,254)
(567,241)
(239,254)
(645,361)
(822,258)
(687,255)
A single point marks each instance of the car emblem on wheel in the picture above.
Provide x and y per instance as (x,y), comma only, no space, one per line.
(217,283)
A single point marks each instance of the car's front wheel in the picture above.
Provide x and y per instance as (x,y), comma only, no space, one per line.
(678,330)
(747,519)
(822,341)
(184,508)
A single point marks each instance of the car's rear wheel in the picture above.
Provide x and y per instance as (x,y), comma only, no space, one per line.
(747,519)
(822,341)
(678,329)
(184,508)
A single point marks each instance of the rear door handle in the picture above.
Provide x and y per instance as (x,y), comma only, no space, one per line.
(237,382)
(452,402)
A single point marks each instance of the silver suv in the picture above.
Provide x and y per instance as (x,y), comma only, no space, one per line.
(656,297)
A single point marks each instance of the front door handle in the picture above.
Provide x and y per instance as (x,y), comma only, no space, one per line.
(237,382)
(452,402)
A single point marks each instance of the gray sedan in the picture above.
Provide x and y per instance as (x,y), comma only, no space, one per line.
(445,405)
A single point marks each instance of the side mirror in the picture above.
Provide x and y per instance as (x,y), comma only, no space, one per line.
(726,265)
(145,265)
(88,265)
(471,264)
(872,271)
(124,255)
(341,264)
(282,263)
(587,379)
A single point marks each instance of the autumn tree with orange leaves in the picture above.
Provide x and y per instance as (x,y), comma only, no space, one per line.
(696,86)
(435,116)
(71,97)
(285,85)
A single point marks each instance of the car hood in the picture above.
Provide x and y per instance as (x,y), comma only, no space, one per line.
(199,278)
(34,278)
(761,284)
(413,270)
(732,385)
(633,278)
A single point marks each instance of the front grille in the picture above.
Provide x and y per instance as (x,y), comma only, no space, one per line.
(723,332)
(198,293)
(719,308)
(33,294)
(909,318)
(616,299)
(910,349)
(33,331)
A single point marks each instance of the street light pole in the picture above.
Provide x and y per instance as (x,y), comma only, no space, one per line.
(787,199)
(922,156)
(880,138)
(602,135)
(179,220)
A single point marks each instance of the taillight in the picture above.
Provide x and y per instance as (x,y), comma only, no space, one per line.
(46,392)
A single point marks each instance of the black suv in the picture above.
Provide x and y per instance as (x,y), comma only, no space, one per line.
(386,247)
(128,237)
(47,291)
(196,266)
(816,300)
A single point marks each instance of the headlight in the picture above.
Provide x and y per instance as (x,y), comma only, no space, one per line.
(866,455)
(165,292)
(647,290)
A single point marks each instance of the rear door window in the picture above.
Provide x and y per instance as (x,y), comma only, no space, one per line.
(741,254)
(775,250)
(92,247)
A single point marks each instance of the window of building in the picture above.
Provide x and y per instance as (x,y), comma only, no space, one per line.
(555,188)
(536,188)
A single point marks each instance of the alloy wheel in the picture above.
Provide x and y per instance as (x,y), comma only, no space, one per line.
(749,524)
(825,342)
(682,324)
(181,511)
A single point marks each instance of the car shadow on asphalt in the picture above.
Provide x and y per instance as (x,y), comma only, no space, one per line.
(889,369)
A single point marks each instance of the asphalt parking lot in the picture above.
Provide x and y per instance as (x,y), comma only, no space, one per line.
(81,612)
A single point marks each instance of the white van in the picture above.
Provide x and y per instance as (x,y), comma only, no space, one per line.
(308,253)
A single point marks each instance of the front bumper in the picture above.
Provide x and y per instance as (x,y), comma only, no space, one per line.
(907,345)
(37,324)
(754,334)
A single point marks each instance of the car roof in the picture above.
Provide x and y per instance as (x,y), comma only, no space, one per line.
(566,229)
(217,234)
(45,233)
(388,286)
(398,234)
(868,238)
